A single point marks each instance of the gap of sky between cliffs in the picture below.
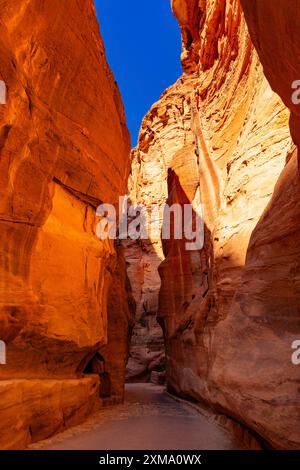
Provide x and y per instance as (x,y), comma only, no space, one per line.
(143,47)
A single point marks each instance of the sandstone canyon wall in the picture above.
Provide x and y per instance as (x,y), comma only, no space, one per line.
(143,257)
(275,34)
(229,311)
(121,322)
(64,149)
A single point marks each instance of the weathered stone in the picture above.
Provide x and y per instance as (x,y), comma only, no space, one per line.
(220,136)
(33,410)
(64,150)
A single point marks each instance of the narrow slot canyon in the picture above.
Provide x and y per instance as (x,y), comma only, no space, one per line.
(138,343)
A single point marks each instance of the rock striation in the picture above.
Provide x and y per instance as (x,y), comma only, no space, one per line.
(121,322)
(64,149)
(143,258)
(271,28)
(221,136)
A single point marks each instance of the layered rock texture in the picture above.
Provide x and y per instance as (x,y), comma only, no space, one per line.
(220,136)
(121,322)
(64,149)
(143,258)
(270,27)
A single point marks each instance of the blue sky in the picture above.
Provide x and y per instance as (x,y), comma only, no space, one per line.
(143,46)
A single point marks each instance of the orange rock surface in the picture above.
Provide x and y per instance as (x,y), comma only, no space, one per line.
(64,149)
(33,410)
(221,136)
(274,32)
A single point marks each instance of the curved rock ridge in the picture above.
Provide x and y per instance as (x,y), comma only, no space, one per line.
(228,311)
(64,149)
(274,32)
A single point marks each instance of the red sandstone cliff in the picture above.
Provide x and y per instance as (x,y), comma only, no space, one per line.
(220,136)
(229,311)
(64,149)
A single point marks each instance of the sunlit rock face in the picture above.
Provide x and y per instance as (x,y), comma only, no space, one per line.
(221,136)
(275,34)
(64,149)
(164,137)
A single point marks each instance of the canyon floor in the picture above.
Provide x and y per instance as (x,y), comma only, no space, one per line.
(149,419)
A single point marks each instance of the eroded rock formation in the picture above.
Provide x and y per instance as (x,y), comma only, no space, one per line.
(218,136)
(221,136)
(143,258)
(274,32)
(64,149)
(121,321)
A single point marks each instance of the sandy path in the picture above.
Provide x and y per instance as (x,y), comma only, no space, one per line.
(148,420)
